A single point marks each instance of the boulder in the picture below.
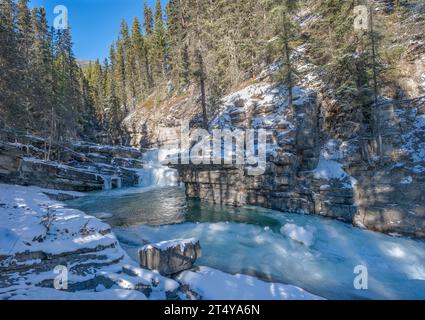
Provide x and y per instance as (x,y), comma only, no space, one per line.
(170,257)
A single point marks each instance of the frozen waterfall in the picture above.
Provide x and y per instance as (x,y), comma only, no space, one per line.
(155,174)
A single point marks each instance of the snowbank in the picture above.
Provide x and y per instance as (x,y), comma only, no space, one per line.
(38,234)
(52,294)
(213,284)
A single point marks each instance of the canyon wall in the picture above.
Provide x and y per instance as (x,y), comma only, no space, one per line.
(310,168)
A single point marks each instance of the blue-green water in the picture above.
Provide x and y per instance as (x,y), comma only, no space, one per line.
(248,240)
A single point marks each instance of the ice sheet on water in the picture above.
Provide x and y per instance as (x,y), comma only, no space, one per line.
(396,266)
(299,234)
(239,287)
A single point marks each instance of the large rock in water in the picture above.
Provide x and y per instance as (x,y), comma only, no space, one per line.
(170,257)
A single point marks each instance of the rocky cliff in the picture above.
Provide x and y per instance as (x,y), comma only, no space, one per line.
(319,161)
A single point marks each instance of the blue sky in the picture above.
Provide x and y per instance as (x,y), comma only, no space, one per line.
(95,23)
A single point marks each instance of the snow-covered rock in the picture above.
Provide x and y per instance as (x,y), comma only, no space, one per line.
(38,234)
(75,167)
(170,257)
(329,169)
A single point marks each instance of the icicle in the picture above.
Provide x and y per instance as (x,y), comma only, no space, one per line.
(107,183)
(119,182)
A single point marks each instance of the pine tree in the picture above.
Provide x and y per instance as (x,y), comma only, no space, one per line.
(120,74)
(127,58)
(158,48)
(25,42)
(200,72)
(148,18)
(113,113)
(10,109)
(141,73)
(352,66)
(286,32)
(201,76)
(42,69)
(68,86)
(177,43)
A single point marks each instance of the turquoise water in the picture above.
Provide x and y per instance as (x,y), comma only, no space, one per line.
(248,240)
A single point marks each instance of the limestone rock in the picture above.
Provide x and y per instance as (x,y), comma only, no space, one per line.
(72,167)
(170,257)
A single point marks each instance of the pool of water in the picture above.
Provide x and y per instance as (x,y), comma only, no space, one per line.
(249,240)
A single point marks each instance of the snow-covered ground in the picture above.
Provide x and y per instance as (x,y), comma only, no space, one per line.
(36,233)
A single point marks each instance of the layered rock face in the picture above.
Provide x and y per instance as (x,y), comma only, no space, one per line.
(73,167)
(289,182)
(170,257)
(389,190)
(309,172)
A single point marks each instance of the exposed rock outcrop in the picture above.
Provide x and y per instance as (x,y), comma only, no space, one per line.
(313,170)
(389,190)
(38,235)
(289,182)
(75,167)
(170,257)
(375,189)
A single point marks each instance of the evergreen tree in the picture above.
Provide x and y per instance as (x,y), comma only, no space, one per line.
(42,68)
(286,31)
(25,42)
(10,109)
(120,74)
(148,18)
(113,112)
(177,43)
(141,72)
(158,48)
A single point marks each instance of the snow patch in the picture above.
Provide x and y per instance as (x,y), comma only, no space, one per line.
(165,245)
(213,284)
(419,169)
(407,180)
(329,169)
(31,222)
(299,234)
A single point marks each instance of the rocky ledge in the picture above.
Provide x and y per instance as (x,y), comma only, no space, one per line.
(39,235)
(29,160)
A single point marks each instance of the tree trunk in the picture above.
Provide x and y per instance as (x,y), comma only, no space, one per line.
(375,87)
(202,85)
(288,61)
